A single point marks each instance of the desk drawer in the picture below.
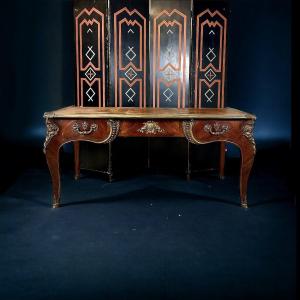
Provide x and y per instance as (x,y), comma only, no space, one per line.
(151,128)
(94,130)
(214,130)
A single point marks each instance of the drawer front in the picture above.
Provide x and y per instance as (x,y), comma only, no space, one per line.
(96,130)
(150,128)
(214,130)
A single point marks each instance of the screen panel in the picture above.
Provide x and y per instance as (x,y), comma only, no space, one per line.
(209,53)
(129,53)
(90,34)
(170,38)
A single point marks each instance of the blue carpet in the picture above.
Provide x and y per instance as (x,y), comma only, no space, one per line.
(147,237)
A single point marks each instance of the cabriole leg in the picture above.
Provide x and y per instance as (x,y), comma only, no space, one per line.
(52,156)
(248,150)
(247,156)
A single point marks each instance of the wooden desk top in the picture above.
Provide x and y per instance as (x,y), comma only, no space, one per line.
(148,113)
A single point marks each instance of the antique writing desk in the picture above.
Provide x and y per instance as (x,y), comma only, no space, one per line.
(150,68)
(198,126)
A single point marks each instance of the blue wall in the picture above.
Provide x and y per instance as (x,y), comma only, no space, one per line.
(259,65)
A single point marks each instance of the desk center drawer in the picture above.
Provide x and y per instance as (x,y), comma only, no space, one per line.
(150,128)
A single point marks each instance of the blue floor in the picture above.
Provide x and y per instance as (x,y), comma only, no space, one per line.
(147,237)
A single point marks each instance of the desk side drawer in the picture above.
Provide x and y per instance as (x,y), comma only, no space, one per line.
(214,130)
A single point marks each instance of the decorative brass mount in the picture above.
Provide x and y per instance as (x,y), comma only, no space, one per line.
(52,130)
(151,127)
(248,133)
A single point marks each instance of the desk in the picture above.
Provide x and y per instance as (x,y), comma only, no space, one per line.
(198,126)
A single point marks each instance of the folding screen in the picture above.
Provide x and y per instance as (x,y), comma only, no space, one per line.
(91,58)
(129,53)
(209,53)
(187,41)
(170,36)
(152,53)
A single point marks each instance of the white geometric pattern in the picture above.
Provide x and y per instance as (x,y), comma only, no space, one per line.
(130,74)
(168,94)
(88,55)
(132,94)
(210,75)
(170,31)
(90,74)
(130,30)
(209,94)
(211,55)
(212,32)
(130,53)
(90,93)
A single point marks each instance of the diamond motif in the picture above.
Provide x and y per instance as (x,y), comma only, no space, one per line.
(168,94)
(90,93)
(210,75)
(90,74)
(211,55)
(130,74)
(169,74)
(90,53)
(130,53)
(209,94)
(131,95)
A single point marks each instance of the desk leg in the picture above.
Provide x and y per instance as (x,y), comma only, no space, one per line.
(77,159)
(52,156)
(247,157)
(248,150)
(52,145)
